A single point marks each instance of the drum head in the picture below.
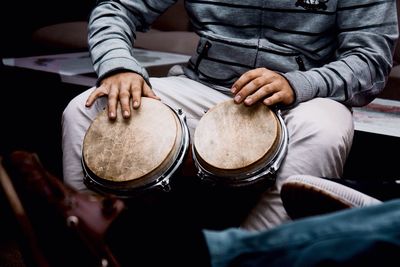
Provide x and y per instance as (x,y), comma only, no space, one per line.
(135,148)
(233,137)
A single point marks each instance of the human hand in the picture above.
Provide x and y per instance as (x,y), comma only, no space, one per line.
(264,85)
(122,88)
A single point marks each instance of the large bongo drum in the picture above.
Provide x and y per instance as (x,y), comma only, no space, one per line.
(127,157)
(236,145)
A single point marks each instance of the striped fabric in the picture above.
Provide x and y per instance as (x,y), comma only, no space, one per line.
(341,49)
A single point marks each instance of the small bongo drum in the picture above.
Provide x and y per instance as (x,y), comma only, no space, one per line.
(127,157)
(237,145)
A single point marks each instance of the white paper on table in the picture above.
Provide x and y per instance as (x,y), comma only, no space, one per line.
(70,64)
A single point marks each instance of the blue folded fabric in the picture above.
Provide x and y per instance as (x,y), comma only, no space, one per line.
(367,236)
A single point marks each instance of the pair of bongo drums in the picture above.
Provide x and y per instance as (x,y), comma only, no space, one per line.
(234,146)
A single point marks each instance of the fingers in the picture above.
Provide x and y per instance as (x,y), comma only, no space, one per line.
(124,96)
(144,90)
(147,91)
(121,89)
(260,94)
(253,86)
(262,85)
(98,92)
(112,101)
(273,99)
(245,79)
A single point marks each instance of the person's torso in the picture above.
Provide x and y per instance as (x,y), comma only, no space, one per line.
(239,35)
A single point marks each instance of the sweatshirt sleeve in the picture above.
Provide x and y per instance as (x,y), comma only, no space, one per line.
(112,33)
(367,33)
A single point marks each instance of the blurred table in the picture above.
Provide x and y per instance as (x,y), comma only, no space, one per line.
(76,68)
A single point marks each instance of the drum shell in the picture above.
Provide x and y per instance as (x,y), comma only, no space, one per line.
(157,180)
(261,173)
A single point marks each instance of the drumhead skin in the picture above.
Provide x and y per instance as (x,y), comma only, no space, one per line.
(132,149)
(234,141)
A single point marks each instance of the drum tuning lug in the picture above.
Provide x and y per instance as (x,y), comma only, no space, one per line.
(181,114)
(165,186)
(89,181)
(200,174)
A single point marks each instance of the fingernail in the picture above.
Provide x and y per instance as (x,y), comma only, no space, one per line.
(248,101)
(237,98)
(233,89)
(112,115)
(126,113)
(135,104)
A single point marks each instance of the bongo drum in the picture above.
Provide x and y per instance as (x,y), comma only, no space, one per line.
(127,157)
(237,145)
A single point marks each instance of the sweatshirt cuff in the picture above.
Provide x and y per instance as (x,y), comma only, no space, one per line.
(301,86)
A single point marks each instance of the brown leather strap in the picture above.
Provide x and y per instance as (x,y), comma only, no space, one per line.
(88,216)
(30,241)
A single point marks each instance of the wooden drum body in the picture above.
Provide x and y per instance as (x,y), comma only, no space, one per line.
(236,145)
(127,157)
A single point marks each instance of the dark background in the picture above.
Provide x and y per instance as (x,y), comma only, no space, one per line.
(20,19)
(32,102)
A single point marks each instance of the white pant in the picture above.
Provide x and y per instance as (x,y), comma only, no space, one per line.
(320,137)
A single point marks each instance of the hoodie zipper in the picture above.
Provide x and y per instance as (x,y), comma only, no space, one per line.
(300,63)
(203,54)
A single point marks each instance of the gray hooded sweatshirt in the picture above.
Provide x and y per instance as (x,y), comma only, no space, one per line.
(339,49)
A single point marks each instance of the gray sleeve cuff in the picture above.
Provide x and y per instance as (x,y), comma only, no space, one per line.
(301,86)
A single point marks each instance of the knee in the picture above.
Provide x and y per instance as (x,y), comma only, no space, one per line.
(326,135)
(71,109)
(76,106)
(324,123)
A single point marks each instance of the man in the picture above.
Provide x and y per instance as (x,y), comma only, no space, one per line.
(312,59)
